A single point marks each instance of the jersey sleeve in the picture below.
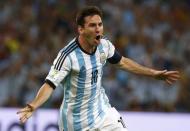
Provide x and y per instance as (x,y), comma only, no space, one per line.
(111,49)
(59,70)
(113,55)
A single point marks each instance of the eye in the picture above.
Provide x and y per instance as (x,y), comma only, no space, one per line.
(92,25)
(100,24)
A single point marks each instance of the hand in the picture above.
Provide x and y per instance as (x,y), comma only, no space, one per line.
(25,113)
(169,76)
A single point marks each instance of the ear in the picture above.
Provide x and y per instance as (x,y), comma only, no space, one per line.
(80,29)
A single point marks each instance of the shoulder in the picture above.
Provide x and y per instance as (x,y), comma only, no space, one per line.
(69,48)
(64,53)
(104,39)
(105,42)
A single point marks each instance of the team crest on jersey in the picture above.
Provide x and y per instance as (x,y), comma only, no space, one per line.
(53,73)
(102,57)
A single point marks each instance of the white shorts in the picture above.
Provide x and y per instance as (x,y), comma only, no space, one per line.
(112,122)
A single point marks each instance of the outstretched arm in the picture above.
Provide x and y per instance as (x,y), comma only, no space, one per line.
(42,96)
(131,66)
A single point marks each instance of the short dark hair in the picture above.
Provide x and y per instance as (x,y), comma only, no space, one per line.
(87,11)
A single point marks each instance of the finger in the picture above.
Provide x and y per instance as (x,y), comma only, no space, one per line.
(23,118)
(169,82)
(172,72)
(173,78)
(172,75)
(26,116)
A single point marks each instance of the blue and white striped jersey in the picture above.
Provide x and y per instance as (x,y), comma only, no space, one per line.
(85,102)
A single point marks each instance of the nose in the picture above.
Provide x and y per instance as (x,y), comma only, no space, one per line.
(97,29)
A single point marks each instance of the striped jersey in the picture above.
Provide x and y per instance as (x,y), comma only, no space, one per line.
(85,102)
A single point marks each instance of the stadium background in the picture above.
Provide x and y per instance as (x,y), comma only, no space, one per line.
(154,33)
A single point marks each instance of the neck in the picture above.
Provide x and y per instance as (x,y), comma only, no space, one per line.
(86,45)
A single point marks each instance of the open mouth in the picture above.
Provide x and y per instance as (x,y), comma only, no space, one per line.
(98,37)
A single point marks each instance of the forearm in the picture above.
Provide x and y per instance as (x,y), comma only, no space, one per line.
(42,96)
(131,66)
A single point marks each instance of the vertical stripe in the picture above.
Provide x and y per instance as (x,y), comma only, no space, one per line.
(61,118)
(100,48)
(100,110)
(80,91)
(65,106)
(105,98)
(93,93)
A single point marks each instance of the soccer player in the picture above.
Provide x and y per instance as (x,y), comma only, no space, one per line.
(78,67)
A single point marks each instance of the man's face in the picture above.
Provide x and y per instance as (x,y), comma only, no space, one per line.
(93,27)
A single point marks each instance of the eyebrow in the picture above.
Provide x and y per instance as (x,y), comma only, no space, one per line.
(95,23)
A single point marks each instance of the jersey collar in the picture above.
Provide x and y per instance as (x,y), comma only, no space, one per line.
(77,41)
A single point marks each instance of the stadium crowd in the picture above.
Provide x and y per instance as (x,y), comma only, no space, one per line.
(154,33)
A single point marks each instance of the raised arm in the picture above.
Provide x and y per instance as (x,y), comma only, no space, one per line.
(42,96)
(131,66)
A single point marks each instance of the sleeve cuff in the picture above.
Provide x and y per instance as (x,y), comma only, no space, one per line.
(50,83)
(115,58)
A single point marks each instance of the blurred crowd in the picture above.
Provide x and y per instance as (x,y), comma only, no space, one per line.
(154,33)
